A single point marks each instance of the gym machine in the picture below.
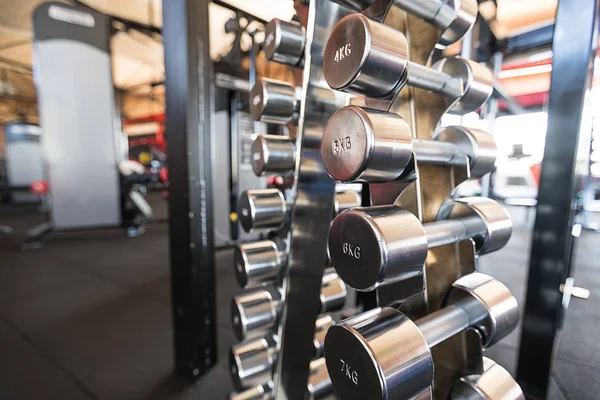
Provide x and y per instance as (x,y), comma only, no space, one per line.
(414,247)
(90,182)
(24,163)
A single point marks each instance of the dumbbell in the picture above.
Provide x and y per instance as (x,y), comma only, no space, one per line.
(258,263)
(380,245)
(382,354)
(333,292)
(360,144)
(262,210)
(321,326)
(284,42)
(251,362)
(345,200)
(260,392)
(453,18)
(319,383)
(369,58)
(275,102)
(257,311)
(273,155)
(494,383)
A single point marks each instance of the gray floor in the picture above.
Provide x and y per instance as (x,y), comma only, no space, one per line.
(88,317)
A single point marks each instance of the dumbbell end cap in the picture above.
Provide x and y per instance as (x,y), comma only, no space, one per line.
(257,99)
(343,345)
(347,144)
(240,262)
(377,353)
(346,51)
(356,249)
(238,320)
(494,301)
(260,155)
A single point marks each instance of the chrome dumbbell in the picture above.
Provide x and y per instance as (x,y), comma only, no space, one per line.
(262,210)
(260,392)
(275,102)
(319,383)
(369,58)
(284,42)
(453,18)
(333,292)
(273,155)
(361,144)
(251,362)
(345,200)
(382,354)
(494,383)
(322,324)
(368,248)
(257,263)
(255,312)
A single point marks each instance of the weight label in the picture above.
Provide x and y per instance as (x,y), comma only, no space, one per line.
(341,145)
(351,250)
(342,52)
(256,100)
(349,372)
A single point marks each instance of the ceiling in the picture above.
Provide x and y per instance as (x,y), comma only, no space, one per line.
(138,59)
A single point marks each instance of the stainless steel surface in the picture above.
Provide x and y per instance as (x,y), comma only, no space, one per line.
(251,362)
(477,80)
(323,324)
(478,146)
(319,383)
(312,210)
(369,58)
(333,292)
(498,225)
(492,308)
(284,42)
(442,324)
(257,263)
(345,200)
(429,79)
(273,155)
(444,232)
(273,101)
(260,392)
(365,145)
(367,248)
(494,383)
(262,210)
(381,354)
(254,313)
(365,57)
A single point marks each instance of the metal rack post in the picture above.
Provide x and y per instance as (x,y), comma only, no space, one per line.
(189,100)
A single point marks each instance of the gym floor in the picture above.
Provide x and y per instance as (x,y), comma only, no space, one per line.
(87,316)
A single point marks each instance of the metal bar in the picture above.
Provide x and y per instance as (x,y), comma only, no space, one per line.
(442,324)
(311,213)
(575,39)
(240,12)
(189,100)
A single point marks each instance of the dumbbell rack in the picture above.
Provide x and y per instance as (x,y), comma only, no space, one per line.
(304,235)
(421,295)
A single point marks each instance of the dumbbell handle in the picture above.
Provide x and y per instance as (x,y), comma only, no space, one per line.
(435,81)
(449,231)
(442,324)
(435,151)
